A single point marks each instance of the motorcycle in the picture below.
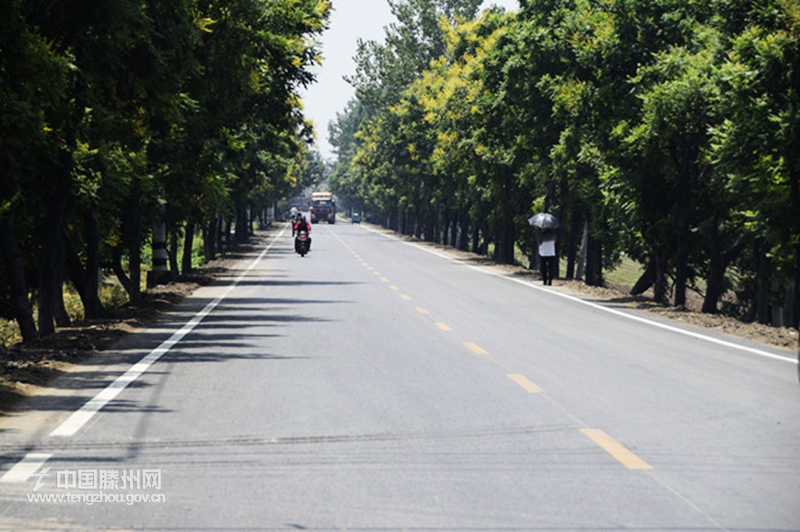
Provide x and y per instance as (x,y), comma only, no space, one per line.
(301,243)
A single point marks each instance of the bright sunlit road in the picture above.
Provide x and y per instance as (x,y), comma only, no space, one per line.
(376,384)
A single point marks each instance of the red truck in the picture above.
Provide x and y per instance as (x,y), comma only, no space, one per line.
(323,207)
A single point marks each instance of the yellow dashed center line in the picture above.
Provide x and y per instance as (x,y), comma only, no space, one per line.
(475,348)
(616,449)
(527,385)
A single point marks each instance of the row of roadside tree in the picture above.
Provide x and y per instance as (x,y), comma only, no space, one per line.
(116,115)
(664,130)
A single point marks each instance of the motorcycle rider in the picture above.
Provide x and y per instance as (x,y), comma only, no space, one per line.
(302,225)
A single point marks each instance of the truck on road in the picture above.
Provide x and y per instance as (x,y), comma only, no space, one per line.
(323,207)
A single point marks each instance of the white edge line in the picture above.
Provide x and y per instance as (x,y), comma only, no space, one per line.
(31,462)
(26,467)
(640,319)
(81,416)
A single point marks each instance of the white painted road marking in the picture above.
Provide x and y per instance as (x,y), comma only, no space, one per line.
(82,416)
(33,461)
(26,467)
(626,315)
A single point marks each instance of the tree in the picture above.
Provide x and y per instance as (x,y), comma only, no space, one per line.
(384,73)
(122,107)
(677,93)
(33,81)
(757,148)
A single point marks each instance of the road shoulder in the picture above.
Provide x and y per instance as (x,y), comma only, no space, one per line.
(47,369)
(617,295)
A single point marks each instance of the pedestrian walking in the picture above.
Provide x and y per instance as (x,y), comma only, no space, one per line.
(547,255)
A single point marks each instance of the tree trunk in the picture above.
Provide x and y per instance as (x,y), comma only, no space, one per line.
(486,239)
(86,278)
(252,217)
(173,250)
(119,271)
(51,276)
(205,235)
(188,245)
(660,277)
(211,239)
(224,235)
(794,314)
(683,246)
(504,250)
(794,208)
(446,233)
(594,261)
(716,273)
(430,226)
(437,224)
(12,258)
(581,267)
(92,220)
(684,153)
(219,237)
(476,238)
(763,272)
(505,236)
(61,315)
(135,251)
(159,272)
(646,280)
(242,233)
(572,246)
(463,237)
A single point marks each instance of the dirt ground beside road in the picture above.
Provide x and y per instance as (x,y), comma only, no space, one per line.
(776,336)
(620,294)
(25,369)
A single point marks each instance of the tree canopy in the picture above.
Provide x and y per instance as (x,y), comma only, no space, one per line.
(124,114)
(663,131)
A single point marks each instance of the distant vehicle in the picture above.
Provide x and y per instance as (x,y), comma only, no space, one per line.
(297,205)
(300,203)
(356,218)
(323,207)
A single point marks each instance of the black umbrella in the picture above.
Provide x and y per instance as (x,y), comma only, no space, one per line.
(544,220)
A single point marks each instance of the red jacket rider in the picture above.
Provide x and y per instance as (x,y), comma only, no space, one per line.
(301,225)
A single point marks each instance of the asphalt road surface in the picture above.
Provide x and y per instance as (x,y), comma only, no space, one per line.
(376,384)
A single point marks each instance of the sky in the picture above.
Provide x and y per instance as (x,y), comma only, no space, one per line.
(350,20)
